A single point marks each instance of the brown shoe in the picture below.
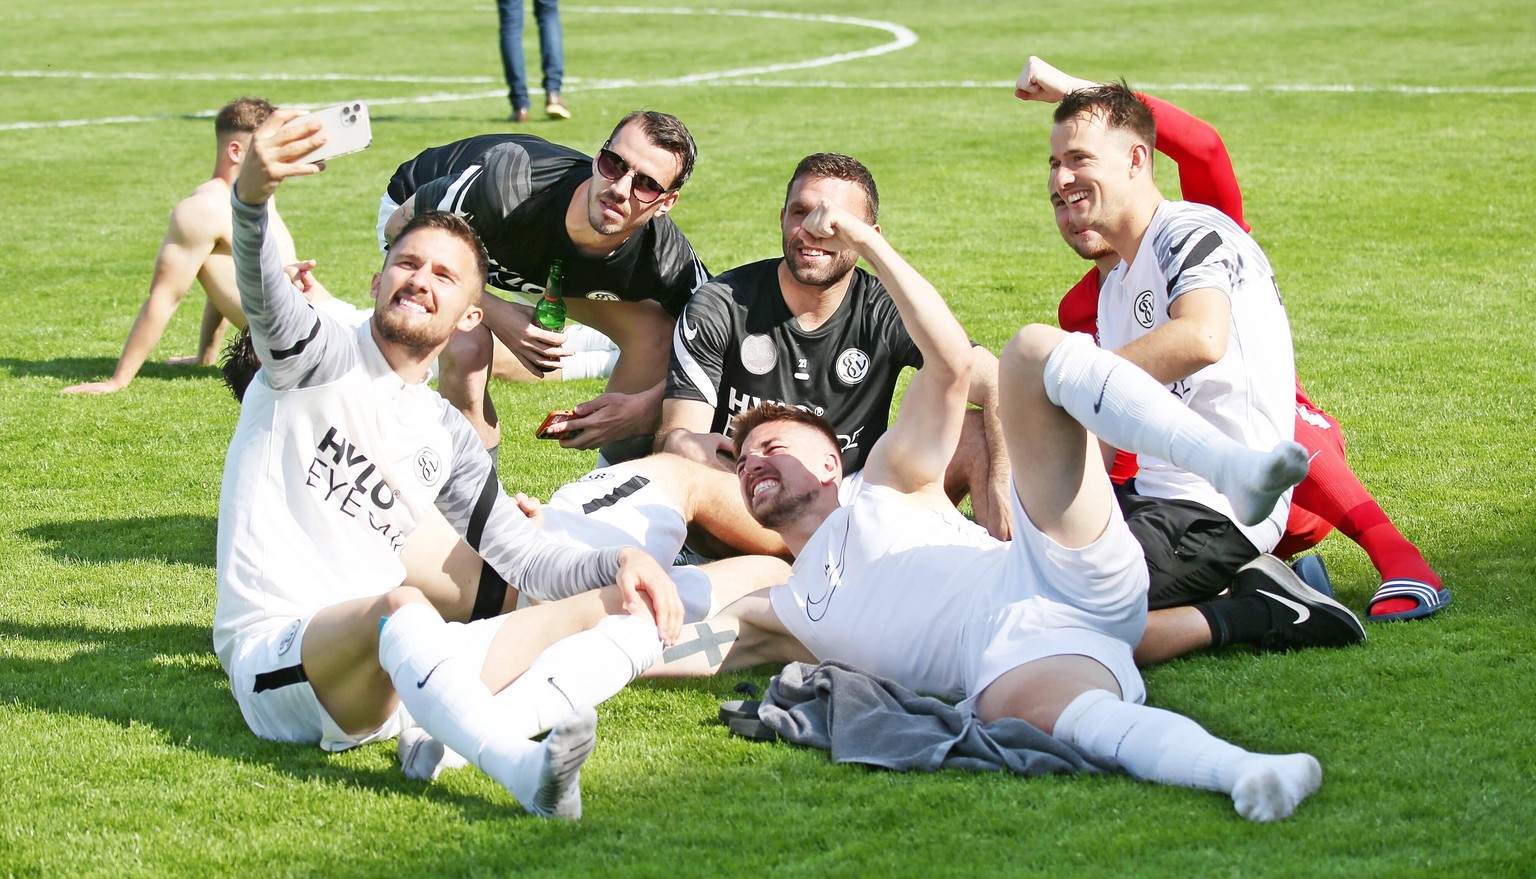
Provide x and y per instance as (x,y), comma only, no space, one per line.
(518,115)
(556,109)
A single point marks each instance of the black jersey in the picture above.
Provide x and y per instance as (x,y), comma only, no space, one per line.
(514,190)
(737,344)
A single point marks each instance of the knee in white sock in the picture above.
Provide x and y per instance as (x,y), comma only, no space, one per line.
(1069,364)
(1083,723)
(635,637)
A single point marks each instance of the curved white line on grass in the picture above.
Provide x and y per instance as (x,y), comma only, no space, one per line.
(901,38)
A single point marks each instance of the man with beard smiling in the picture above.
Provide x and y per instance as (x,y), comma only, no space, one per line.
(1331,496)
(901,586)
(1194,302)
(628,269)
(340,451)
(811,329)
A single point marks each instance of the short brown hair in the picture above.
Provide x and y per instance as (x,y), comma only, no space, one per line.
(242,116)
(765,413)
(1116,104)
(836,166)
(239,363)
(454,225)
(667,132)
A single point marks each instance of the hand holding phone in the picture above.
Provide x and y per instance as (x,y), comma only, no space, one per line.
(553,418)
(346,127)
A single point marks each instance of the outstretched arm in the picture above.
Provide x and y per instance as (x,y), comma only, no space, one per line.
(915,452)
(1205,170)
(188,241)
(290,338)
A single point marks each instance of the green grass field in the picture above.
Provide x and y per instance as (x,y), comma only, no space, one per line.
(1386,154)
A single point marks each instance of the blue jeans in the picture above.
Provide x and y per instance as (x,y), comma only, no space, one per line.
(547,14)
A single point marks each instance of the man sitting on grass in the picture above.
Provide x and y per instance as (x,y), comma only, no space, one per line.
(340,451)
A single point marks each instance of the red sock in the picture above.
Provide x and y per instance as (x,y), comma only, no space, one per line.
(1332,491)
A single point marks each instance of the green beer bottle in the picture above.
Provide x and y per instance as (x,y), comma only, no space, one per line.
(550,312)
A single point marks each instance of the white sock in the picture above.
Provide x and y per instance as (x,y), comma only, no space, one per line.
(594,354)
(444,693)
(582,670)
(1156,745)
(557,789)
(1127,408)
(582,339)
(588,364)
(424,758)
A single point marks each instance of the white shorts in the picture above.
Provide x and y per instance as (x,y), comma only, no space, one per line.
(1055,601)
(279,704)
(276,698)
(616,506)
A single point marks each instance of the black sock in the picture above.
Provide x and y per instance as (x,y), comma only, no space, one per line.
(1242,620)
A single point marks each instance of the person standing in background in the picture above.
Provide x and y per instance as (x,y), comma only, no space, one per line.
(551,53)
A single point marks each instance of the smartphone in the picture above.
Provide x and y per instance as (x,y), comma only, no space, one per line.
(556,417)
(346,130)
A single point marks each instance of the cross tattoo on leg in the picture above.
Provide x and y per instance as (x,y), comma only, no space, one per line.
(708,642)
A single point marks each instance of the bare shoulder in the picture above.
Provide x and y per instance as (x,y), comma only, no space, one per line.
(205,214)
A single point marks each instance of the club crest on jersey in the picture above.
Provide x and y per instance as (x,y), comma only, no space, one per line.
(758,354)
(602,296)
(852,366)
(429,466)
(1145,309)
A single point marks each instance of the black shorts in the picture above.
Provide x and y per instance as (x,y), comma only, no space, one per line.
(1192,551)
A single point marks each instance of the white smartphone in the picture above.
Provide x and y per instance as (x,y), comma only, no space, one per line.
(346,130)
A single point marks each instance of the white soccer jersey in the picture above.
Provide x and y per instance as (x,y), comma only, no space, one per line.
(1249,394)
(333,461)
(321,487)
(892,588)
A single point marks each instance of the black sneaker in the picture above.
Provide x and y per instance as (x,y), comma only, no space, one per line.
(1302,616)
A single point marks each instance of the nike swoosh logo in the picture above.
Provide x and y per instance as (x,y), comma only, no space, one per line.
(423,682)
(1104,387)
(689,331)
(1303,613)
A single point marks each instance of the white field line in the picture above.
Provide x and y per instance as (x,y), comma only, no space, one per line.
(743,77)
(901,38)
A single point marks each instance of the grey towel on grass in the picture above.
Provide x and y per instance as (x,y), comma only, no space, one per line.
(861,718)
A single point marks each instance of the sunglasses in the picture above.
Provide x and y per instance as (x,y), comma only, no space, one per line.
(643,187)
